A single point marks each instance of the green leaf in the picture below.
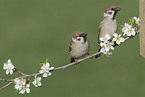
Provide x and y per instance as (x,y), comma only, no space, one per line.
(46,60)
(132,21)
(41,63)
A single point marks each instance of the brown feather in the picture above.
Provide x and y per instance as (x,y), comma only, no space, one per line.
(109,7)
(77,33)
(70,46)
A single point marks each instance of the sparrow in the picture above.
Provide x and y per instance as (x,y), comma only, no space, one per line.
(108,25)
(79,45)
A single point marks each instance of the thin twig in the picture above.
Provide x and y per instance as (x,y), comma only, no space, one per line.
(65,66)
(6,85)
(6,79)
(16,69)
(21,72)
(58,68)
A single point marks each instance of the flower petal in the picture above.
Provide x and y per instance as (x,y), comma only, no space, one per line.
(27,85)
(22,91)
(114,39)
(115,34)
(51,68)
(7,72)
(107,49)
(41,71)
(27,90)
(39,79)
(45,75)
(112,48)
(47,64)
(11,71)
(118,42)
(122,39)
(39,84)
(49,73)
(102,50)
(9,61)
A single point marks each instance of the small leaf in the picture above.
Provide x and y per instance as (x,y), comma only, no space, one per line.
(41,63)
(132,21)
(46,60)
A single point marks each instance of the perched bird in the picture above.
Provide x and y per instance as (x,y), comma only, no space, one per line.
(79,45)
(108,25)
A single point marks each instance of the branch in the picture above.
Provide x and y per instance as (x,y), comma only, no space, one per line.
(65,66)
(22,84)
(6,79)
(58,68)
(6,85)
(16,69)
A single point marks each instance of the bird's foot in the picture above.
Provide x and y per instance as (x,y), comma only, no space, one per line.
(91,56)
(76,61)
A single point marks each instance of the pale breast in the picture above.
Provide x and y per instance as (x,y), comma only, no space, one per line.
(79,49)
(108,26)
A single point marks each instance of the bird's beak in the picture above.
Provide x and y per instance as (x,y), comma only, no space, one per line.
(117,9)
(85,34)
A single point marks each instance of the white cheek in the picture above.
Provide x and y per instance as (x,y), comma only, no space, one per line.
(81,39)
(78,41)
(110,15)
(74,40)
(106,15)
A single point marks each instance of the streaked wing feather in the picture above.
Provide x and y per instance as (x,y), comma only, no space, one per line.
(99,31)
(70,46)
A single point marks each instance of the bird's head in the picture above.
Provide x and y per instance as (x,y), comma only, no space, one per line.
(79,37)
(111,11)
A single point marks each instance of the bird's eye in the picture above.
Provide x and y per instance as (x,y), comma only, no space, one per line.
(78,39)
(110,13)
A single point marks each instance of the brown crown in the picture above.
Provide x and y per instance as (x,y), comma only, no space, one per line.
(77,33)
(109,7)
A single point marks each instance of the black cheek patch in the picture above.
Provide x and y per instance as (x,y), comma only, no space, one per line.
(85,39)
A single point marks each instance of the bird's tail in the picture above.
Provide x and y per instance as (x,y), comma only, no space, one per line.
(72,60)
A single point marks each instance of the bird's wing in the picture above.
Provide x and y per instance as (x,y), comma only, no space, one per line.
(70,46)
(99,31)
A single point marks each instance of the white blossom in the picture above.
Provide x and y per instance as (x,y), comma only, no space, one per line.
(37,82)
(45,69)
(21,86)
(106,38)
(9,67)
(105,47)
(25,88)
(128,30)
(136,20)
(109,45)
(18,84)
(117,38)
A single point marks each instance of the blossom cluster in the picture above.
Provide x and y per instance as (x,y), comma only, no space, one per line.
(129,29)
(9,67)
(22,84)
(45,68)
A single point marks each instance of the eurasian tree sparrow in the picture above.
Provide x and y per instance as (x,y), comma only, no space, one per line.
(79,45)
(108,25)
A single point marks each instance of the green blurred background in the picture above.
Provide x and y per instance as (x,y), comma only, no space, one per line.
(32,30)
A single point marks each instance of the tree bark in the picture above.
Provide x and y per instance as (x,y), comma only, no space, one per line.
(142,26)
